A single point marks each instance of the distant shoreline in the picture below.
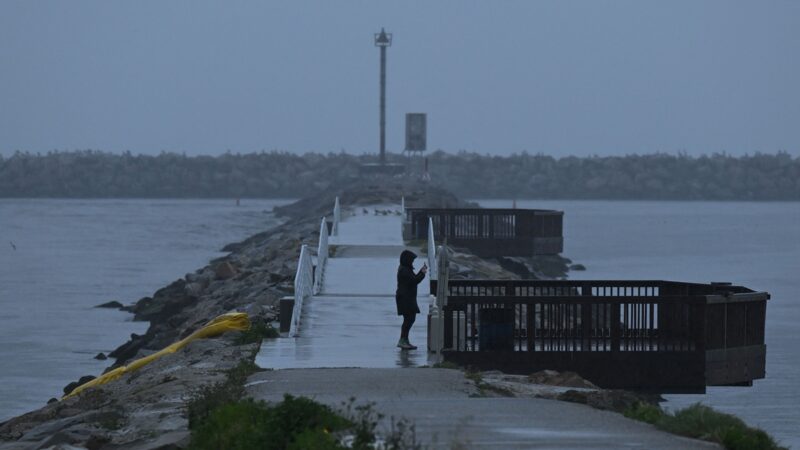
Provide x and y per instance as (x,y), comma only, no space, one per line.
(659,176)
(475,199)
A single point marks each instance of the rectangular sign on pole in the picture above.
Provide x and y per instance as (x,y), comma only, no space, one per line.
(416,131)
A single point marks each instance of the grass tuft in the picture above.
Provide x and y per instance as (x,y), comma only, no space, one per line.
(702,422)
(294,423)
(210,397)
(297,423)
(644,412)
(258,331)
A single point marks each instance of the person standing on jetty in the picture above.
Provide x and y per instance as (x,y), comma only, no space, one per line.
(406,295)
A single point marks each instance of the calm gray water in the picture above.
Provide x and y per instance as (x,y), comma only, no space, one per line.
(753,244)
(73,254)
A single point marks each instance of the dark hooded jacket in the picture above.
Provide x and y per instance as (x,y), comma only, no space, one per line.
(407,281)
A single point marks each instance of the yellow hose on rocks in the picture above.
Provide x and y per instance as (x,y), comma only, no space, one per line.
(217,326)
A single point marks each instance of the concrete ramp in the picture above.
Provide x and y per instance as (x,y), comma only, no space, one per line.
(353,322)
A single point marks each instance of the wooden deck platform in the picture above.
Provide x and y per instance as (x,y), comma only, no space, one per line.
(491,232)
(650,335)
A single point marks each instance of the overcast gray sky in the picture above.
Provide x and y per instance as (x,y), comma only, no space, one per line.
(560,77)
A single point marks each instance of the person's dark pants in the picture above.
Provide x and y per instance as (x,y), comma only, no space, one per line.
(408,320)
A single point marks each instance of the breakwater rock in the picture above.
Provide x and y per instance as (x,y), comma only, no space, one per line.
(143,410)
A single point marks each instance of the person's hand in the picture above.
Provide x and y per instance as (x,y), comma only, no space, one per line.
(424,268)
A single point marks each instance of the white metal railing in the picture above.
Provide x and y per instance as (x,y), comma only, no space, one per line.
(432,265)
(337,217)
(435,325)
(303,287)
(436,308)
(322,256)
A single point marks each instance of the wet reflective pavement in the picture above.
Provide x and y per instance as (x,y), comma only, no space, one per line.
(346,350)
(448,411)
(354,322)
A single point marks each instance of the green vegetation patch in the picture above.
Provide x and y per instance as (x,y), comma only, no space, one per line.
(294,423)
(702,422)
(208,398)
(297,423)
(258,331)
(220,417)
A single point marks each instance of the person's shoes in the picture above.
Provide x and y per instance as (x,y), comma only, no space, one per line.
(405,345)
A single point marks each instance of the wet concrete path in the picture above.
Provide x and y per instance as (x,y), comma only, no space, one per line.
(448,411)
(353,322)
(346,349)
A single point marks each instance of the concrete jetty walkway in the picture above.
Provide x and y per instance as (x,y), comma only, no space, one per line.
(346,349)
(448,412)
(353,322)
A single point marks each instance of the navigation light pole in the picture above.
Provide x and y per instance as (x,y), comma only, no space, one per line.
(383,40)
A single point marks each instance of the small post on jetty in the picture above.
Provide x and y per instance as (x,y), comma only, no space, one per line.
(337,217)
(383,40)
